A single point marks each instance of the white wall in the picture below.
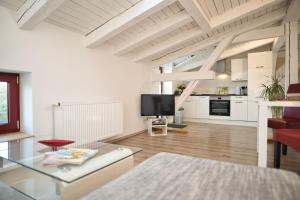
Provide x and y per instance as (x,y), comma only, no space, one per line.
(64,71)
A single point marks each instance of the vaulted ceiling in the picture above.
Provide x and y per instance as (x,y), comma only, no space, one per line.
(154,30)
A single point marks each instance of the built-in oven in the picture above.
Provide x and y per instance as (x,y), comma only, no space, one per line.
(219,106)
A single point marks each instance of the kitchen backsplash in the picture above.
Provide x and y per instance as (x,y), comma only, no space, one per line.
(210,86)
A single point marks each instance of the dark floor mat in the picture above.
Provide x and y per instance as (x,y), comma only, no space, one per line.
(177,125)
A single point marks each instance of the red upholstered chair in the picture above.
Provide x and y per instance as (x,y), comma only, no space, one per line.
(291,115)
(289,137)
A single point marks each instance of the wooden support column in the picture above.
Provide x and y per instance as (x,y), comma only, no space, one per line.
(294,52)
(287,57)
(277,44)
(291,53)
(210,62)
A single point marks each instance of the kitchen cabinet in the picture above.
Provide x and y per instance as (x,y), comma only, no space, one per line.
(189,108)
(203,107)
(252,111)
(238,109)
(196,107)
(239,70)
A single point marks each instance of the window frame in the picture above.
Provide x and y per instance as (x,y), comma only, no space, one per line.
(13,96)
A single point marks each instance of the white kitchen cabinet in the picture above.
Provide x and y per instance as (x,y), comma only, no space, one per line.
(203,107)
(239,70)
(196,107)
(189,108)
(252,111)
(238,110)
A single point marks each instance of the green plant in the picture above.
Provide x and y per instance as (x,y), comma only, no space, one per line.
(180,89)
(272,91)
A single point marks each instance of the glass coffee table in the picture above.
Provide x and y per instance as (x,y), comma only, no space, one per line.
(65,181)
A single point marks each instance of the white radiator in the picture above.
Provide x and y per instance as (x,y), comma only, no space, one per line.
(87,122)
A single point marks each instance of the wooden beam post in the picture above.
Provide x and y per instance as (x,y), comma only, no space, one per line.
(291,53)
(294,52)
(287,57)
(211,61)
(277,44)
(183,76)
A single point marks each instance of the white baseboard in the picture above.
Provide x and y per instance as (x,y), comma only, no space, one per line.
(225,122)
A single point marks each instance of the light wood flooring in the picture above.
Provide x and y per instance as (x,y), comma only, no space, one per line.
(228,143)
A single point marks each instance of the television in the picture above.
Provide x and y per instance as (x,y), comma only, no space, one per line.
(157,105)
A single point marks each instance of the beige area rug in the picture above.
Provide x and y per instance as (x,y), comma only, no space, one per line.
(13,136)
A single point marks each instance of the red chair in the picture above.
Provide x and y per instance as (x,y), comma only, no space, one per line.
(289,137)
(291,115)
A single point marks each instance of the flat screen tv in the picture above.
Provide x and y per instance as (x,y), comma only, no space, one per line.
(157,105)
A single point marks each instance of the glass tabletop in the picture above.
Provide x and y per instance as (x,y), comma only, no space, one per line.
(25,153)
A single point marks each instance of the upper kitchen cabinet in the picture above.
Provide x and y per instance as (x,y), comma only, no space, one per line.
(239,69)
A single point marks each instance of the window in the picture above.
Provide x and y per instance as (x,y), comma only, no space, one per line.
(9,103)
(166,87)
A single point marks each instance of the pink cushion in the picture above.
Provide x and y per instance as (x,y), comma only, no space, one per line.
(290,137)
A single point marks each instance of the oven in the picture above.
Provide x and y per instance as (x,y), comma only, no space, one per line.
(219,106)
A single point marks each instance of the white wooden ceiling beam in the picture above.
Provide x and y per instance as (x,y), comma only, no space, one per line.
(259,22)
(191,65)
(196,11)
(207,67)
(34,12)
(229,52)
(293,13)
(260,34)
(243,10)
(158,30)
(244,47)
(132,16)
(168,44)
(183,76)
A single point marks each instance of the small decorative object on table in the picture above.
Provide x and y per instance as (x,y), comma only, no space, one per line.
(54,144)
(68,156)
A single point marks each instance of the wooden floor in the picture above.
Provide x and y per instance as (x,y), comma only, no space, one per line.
(234,144)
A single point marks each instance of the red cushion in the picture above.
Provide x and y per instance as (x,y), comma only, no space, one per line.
(292,113)
(56,143)
(290,137)
(277,123)
(294,88)
(292,123)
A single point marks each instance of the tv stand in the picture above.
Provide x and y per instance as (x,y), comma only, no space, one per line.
(158,126)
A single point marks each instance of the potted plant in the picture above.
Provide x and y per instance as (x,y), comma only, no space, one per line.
(180,89)
(274,91)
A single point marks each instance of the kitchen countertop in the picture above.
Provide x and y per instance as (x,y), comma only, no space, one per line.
(217,95)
